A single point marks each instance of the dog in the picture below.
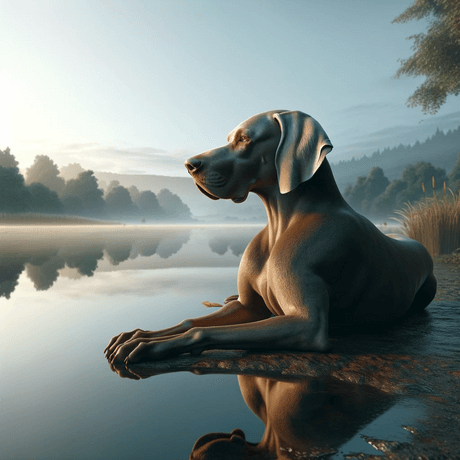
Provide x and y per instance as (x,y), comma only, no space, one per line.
(317,263)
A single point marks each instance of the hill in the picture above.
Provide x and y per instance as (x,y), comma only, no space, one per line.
(441,150)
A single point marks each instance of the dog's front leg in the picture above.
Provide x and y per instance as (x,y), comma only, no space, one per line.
(276,333)
(231,313)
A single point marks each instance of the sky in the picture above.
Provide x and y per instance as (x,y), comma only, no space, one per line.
(139,86)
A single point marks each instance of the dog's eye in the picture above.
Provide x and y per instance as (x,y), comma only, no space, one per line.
(244,139)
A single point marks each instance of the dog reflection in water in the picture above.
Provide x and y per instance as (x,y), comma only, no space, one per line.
(302,419)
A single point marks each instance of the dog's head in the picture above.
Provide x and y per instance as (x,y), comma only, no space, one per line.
(272,147)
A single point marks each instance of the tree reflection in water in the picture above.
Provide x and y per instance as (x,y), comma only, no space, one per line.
(42,257)
(234,238)
(43,252)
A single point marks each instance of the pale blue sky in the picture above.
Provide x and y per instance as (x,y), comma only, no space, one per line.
(138,86)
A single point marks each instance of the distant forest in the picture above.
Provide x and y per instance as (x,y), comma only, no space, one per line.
(441,150)
(384,182)
(75,191)
(375,196)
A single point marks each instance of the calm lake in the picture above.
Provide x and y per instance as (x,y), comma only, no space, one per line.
(65,291)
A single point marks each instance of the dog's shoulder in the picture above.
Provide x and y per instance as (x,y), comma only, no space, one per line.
(256,253)
(317,240)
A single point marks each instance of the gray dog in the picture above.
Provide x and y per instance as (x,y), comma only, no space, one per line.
(316,263)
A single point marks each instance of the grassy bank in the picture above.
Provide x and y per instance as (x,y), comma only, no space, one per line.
(46,219)
(435,223)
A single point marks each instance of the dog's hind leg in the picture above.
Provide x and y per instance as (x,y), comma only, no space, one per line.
(424,295)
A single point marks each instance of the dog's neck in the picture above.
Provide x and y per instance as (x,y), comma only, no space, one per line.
(319,195)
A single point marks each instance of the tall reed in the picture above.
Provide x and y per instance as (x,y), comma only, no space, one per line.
(434,222)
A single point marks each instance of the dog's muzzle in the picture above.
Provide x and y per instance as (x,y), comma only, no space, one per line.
(211,180)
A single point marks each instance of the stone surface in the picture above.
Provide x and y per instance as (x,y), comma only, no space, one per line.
(417,359)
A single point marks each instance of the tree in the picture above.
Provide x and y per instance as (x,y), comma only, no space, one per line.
(366,190)
(134,192)
(416,174)
(7,160)
(173,205)
(46,172)
(71,171)
(85,193)
(385,203)
(14,196)
(42,199)
(112,185)
(73,205)
(119,203)
(148,204)
(409,189)
(454,177)
(436,53)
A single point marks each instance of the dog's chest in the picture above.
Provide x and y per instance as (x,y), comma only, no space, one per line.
(258,269)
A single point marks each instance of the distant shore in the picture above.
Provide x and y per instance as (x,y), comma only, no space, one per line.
(49,219)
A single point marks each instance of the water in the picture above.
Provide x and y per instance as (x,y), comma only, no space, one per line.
(66,291)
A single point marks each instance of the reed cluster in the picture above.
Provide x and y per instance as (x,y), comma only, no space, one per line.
(434,222)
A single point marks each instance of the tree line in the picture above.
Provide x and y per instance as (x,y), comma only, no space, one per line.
(43,190)
(376,196)
(393,160)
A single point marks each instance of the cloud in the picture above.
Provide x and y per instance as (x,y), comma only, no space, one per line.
(132,160)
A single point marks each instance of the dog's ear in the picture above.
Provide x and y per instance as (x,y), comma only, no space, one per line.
(301,150)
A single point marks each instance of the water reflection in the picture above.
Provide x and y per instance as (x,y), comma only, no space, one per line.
(303,418)
(47,253)
(233,238)
(42,258)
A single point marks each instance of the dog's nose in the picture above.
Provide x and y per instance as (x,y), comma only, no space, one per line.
(192,164)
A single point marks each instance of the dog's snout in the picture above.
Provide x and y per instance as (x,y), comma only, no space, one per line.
(192,164)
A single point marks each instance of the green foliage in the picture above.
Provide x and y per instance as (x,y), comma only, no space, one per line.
(375,196)
(148,204)
(46,172)
(454,177)
(112,185)
(83,190)
(119,202)
(385,203)
(7,160)
(441,147)
(416,174)
(134,192)
(173,206)
(44,200)
(14,196)
(366,190)
(46,192)
(436,53)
